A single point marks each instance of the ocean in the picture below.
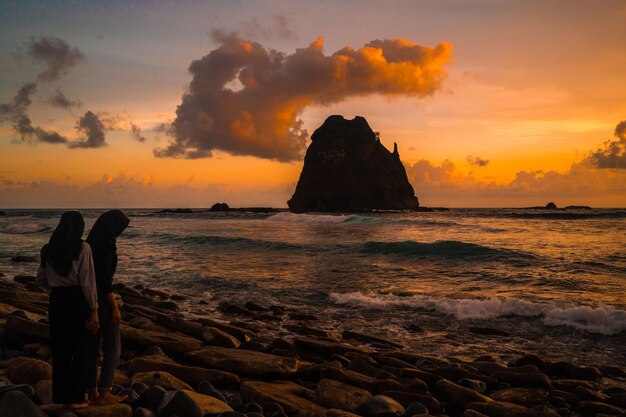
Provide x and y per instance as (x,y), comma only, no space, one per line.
(463,282)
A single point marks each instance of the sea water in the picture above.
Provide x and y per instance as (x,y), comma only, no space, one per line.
(549,282)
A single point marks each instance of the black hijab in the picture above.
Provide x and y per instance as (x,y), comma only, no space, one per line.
(65,243)
(107,229)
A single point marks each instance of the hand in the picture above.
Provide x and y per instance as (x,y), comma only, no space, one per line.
(117,316)
(93,325)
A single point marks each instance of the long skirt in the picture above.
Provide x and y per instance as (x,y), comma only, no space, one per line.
(69,313)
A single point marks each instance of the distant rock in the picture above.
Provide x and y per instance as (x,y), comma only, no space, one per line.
(347,169)
(176,211)
(551,206)
(219,207)
(2,213)
(577,208)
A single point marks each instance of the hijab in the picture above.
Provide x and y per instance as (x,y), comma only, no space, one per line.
(65,243)
(107,229)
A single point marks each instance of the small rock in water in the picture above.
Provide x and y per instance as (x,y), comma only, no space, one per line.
(488,331)
(23,279)
(24,258)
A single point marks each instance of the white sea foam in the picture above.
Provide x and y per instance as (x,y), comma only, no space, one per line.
(603,320)
(24,228)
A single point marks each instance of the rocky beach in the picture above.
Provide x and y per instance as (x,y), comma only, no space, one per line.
(237,364)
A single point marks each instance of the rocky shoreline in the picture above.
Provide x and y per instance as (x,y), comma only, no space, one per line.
(174,365)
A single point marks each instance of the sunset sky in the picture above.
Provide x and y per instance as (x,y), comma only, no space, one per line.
(492,103)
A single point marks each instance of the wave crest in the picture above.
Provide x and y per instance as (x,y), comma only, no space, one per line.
(24,228)
(602,320)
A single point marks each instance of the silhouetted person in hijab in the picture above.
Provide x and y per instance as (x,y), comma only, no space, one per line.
(67,269)
(102,238)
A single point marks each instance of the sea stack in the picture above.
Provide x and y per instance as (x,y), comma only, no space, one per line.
(347,169)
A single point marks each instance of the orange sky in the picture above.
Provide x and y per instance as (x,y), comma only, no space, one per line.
(532,89)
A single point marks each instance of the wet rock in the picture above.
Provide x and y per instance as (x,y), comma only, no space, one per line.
(338,413)
(24,258)
(457,395)
(190,404)
(520,396)
(139,387)
(570,384)
(349,377)
(245,362)
(216,337)
(596,407)
(143,412)
(380,406)
(286,394)
(531,359)
(618,400)
(24,388)
(570,370)
(28,371)
(162,379)
(430,378)
(43,391)
(368,338)
(17,404)
(171,341)
(151,398)
(141,300)
(325,347)
(302,316)
(24,326)
(308,331)
(478,386)
(590,395)
(335,394)
(503,409)
(406,398)
(235,310)
(488,331)
(523,379)
(415,408)
(24,279)
(568,397)
(313,372)
(155,293)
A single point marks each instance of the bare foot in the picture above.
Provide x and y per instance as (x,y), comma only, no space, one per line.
(76,406)
(107,398)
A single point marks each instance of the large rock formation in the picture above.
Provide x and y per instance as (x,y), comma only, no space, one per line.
(347,169)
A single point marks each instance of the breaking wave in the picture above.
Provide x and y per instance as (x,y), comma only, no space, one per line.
(24,228)
(602,320)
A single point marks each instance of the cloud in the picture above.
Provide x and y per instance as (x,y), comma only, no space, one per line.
(16,113)
(59,99)
(279,29)
(136,132)
(140,190)
(261,117)
(445,184)
(93,131)
(477,161)
(55,54)
(613,153)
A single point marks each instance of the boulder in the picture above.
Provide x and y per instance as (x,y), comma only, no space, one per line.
(596,407)
(187,403)
(523,379)
(368,338)
(216,337)
(457,395)
(349,377)
(17,404)
(29,371)
(43,391)
(335,394)
(407,398)
(27,327)
(170,342)
(325,347)
(190,374)
(570,370)
(151,398)
(286,394)
(24,388)
(348,169)
(380,406)
(162,379)
(520,396)
(503,409)
(245,362)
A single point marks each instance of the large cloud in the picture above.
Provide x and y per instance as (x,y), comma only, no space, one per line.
(55,54)
(613,152)
(261,117)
